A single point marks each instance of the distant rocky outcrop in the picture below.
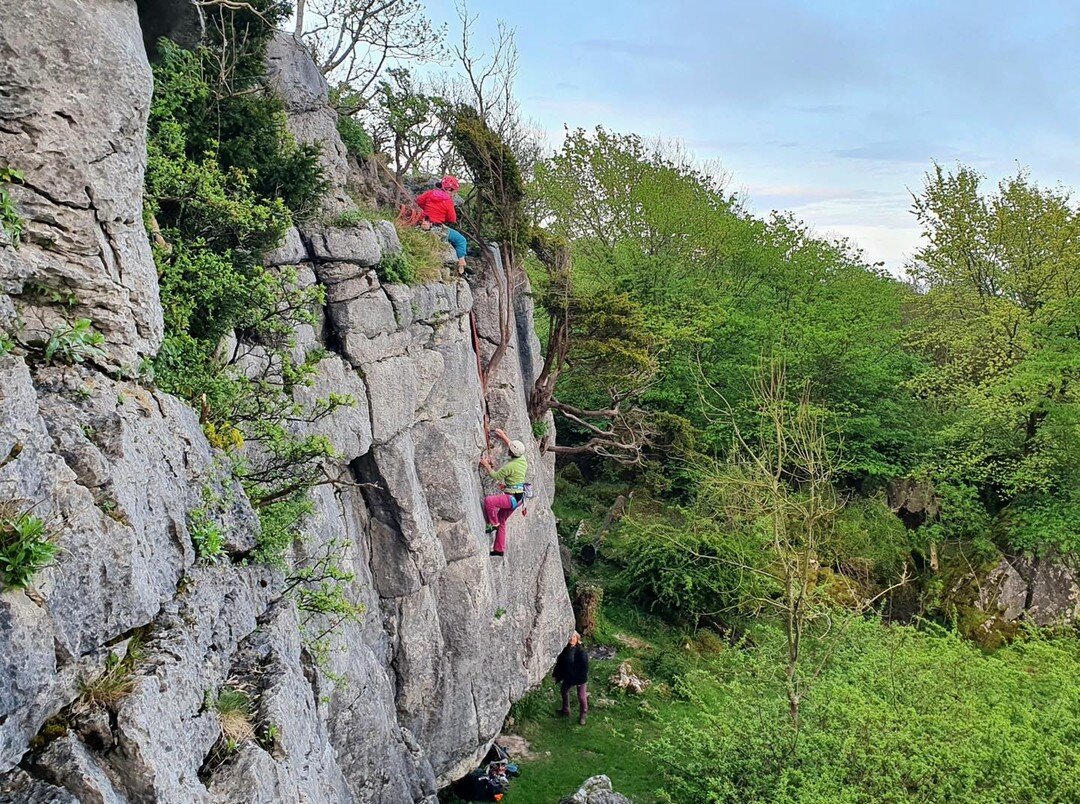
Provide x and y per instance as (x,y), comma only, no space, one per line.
(406,700)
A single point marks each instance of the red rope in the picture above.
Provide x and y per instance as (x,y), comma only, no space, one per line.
(480,376)
(409,215)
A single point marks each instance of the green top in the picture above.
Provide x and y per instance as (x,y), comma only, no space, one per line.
(512,474)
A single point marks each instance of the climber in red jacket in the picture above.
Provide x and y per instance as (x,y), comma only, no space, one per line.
(438,208)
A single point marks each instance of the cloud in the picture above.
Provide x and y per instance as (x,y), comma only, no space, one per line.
(808,192)
(900,151)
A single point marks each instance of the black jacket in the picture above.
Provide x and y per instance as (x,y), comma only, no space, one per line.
(572,666)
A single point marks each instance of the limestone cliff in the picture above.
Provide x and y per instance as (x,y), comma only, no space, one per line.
(409,697)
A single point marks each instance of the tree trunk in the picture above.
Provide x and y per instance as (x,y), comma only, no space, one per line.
(587,600)
(301,5)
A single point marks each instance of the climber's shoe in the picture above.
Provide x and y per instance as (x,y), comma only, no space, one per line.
(499,553)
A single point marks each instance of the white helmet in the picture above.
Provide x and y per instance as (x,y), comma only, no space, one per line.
(517,449)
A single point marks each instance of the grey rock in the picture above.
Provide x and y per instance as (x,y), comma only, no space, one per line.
(114,470)
(389,241)
(291,251)
(69,763)
(595,790)
(354,244)
(74,123)
(304,91)
(914,501)
(1044,590)
(181,21)
(300,765)
(401,701)
(164,730)
(402,385)
(19,787)
(367,315)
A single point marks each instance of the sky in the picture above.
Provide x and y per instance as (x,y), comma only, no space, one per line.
(832,109)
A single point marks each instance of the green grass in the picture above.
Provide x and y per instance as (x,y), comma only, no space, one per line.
(613,740)
(608,744)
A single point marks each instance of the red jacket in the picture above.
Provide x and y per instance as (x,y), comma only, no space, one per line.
(438,206)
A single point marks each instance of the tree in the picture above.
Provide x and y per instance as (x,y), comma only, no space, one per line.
(413,120)
(596,340)
(779,480)
(717,287)
(352,41)
(998,320)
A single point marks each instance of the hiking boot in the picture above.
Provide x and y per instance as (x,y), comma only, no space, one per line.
(499,553)
(562,713)
(581,718)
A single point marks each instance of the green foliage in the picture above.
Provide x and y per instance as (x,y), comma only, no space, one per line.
(220,208)
(11,223)
(225,181)
(206,535)
(357,141)
(74,343)
(114,683)
(997,728)
(230,700)
(212,101)
(690,567)
(236,713)
(26,546)
(499,191)
(352,217)
(869,542)
(420,258)
(394,269)
(410,118)
(997,323)
(715,289)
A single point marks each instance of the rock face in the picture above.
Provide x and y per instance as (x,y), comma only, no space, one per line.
(301,86)
(74,97)
(393,706)
(1044,590)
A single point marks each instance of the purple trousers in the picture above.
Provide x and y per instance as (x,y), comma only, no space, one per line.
(582,697)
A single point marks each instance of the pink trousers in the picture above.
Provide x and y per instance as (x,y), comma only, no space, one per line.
(497,509)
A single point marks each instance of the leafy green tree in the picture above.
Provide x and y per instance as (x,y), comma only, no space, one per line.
(719,288)
(998,322)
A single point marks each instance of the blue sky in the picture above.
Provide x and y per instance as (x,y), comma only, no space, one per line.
(831,109)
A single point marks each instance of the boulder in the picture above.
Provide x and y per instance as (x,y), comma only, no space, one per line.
(1043,590)
(595,790)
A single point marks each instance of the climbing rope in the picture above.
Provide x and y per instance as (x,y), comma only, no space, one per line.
(410,215)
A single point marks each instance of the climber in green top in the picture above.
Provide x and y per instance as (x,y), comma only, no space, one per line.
(511,480)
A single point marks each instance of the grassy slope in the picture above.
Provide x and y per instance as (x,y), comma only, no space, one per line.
(619,723)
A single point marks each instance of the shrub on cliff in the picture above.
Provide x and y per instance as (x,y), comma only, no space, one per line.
(224,182)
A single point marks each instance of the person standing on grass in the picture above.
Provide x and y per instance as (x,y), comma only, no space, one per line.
(572,670)
(511,479)
(438,208)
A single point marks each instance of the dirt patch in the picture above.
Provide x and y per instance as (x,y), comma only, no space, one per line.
(518,748)
(632,642)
